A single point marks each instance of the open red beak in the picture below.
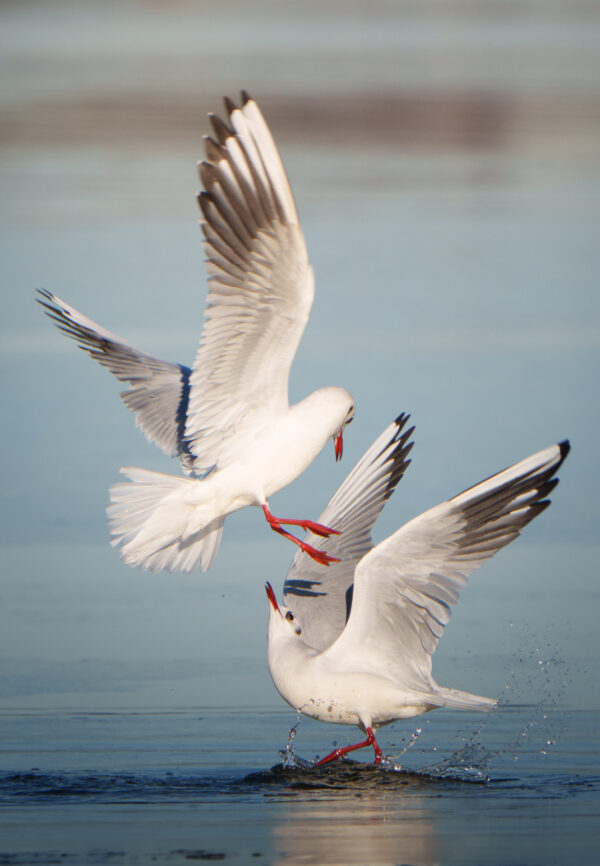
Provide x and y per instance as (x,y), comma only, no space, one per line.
(338,442)
(271,596)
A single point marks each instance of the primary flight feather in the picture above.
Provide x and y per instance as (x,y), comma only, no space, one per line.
(228,418)
(354,646)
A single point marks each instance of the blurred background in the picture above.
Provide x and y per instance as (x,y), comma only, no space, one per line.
(444,157)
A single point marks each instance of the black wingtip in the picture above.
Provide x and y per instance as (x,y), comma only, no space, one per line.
(44,294)
(46,300)
(565,447)
(204,198)
(214,151)
(230,105)
(207,174)
(220,128)
(402,419)
(402,434)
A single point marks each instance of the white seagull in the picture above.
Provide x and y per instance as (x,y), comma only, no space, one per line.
(228,419)
(354,646)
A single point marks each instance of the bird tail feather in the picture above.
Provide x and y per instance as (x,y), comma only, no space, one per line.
(457,700)
(159,526)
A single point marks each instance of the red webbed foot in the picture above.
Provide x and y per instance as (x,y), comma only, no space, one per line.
(317,528)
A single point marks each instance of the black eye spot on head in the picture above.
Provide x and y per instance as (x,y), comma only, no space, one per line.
(289,616)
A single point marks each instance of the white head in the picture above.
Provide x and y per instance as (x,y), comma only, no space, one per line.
(339,406)
(282,622)
(305,429)
(287,653)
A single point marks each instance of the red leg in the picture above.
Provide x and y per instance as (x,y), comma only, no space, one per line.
(339,753)
(318,555)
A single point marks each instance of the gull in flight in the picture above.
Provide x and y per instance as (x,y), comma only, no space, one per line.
(353,645)
(228,418)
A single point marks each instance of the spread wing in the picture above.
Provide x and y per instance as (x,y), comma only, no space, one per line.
(405,587)
(321,597)
(158,391)
(260,288)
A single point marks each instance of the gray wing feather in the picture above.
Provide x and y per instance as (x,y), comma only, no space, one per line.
(321,598)
(405,587)
(159,390)
(260,287)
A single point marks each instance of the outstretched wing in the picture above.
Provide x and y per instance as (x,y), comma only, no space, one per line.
(158,391)
(321,597)
(405,587)
(260,287)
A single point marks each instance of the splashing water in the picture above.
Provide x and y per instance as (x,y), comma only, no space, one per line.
(289,759)
(468,764)
(540,672)
(549,680)
(391,762)
(545,723)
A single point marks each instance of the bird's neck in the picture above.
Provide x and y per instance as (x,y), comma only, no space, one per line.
(287,650)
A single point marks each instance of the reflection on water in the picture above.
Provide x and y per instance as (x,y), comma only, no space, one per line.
(366,826)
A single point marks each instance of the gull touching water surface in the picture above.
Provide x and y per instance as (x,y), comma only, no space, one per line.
(354,645)
(228,418)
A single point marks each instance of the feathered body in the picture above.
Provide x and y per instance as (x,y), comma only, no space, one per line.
(393,600)
(227,417)
(169,522)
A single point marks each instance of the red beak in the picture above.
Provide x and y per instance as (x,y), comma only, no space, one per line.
(271,596)
(339,446)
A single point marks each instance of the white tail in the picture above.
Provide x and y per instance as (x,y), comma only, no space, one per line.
(152,516)
(457,700)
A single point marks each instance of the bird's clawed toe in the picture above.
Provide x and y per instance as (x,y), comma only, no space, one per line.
(318,555)
(318,528)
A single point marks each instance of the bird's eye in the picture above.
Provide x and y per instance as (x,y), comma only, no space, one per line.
(289,616)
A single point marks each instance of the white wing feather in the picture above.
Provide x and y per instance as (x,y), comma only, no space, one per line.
(321,598)
(158,391)
(260,289)
(260,293)
(405,587)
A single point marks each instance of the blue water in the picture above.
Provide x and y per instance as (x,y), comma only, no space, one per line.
(445,162)
(520,786)
(445,165)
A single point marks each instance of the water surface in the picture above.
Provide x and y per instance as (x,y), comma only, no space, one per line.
(444,158)
(520,786)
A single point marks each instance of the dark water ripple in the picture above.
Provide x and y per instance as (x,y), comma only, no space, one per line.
(347,777)
(34,787)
